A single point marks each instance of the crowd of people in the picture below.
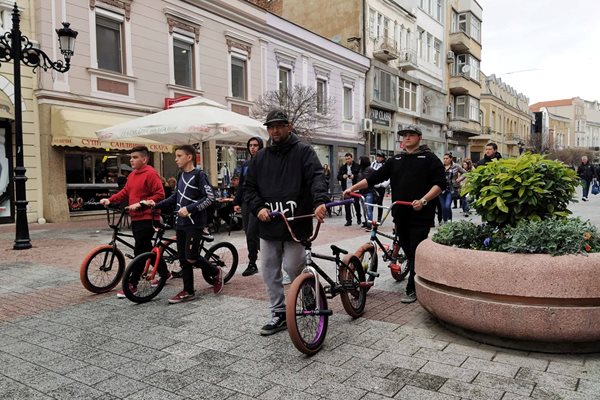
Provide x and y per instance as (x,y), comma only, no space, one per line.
(286,176)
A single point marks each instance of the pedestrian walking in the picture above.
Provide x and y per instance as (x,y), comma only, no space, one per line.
(348,176)
(380,188)
(490,154)
(586,173)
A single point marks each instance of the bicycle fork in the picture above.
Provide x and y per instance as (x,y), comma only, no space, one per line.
(309,269)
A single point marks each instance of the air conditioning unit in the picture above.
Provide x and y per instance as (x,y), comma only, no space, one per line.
(450,109)
(450,56)
(367,125)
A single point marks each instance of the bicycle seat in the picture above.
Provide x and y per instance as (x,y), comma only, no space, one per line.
(208,238)
(336,250)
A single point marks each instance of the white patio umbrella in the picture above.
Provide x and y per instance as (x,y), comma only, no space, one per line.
(191,121)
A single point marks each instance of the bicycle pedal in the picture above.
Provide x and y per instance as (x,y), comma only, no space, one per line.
(373,274)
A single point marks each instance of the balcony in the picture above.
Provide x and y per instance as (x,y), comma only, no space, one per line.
(461,43)
(464,126)
(385,49)
(408,60)
(461,83)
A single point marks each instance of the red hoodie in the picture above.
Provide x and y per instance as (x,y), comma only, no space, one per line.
(142,184)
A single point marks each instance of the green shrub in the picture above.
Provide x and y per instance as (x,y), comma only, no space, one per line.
(526,188)
(554,236)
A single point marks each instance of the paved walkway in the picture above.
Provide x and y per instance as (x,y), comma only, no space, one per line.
(59,341)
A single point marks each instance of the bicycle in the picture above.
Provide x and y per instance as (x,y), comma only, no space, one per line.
(151,267)
(102,268)
(307,314)
(367,253)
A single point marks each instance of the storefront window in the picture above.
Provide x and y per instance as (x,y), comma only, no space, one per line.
(323,152)
(229,160)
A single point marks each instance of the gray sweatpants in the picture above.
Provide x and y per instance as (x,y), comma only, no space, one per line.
(274,255)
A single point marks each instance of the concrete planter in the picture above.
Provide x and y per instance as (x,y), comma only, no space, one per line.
(526,301)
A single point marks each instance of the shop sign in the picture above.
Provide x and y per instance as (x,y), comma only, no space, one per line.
(112,144)
(380,117)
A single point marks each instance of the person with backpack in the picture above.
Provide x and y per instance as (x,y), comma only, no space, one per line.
(191,198)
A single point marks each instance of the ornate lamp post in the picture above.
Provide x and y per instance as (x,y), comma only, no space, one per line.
(17,47)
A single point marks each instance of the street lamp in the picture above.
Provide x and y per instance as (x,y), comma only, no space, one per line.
(17,47)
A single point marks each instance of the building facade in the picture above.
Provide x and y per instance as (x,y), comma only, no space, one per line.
(506,118)
(133,58)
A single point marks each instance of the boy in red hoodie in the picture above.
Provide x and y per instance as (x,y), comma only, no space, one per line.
(143,183)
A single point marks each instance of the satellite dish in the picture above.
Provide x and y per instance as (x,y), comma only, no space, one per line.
(465,69)
(336,39)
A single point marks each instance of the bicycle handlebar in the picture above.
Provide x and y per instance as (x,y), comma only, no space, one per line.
(364,205)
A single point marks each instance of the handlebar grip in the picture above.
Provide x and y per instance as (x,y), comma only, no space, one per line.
(273,214)
(339,203)
(403,203)
(354,194)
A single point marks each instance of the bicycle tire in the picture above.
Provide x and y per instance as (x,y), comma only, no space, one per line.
(146,289)
(97,266)
(399,276)
(307,331)
(223,255)
(351,274)
(367,255)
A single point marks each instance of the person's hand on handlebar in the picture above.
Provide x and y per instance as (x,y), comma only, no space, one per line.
(237,209)
(346,193)
(104,202)
(183,212)
(321,212)
(263,215)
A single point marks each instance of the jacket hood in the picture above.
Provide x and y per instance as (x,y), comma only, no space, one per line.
(260,143)
(422,149)
(142,170)
(496,156)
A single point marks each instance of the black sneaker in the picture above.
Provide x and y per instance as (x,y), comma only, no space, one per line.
(348,223)
(251,270)
(276,324)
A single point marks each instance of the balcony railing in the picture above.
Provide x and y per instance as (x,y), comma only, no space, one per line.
(408,60)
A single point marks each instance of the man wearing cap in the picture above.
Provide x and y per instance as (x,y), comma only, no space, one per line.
(416,175)
(348,175)
(380,187)
(287,177)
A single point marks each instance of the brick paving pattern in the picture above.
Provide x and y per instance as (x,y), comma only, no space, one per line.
(58,341)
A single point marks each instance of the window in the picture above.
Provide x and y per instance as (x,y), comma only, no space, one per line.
(439,16)
(238,77)
(467,23)
(460,110)
(321,96)
(454,21)
(463,60)
(429,45)
(475,29)
(348,103)
(437,53)
(462,22)
(474,112)
(384,87)
(467,107)
(372,27)
(407,95)
(109,44)
(285,80)
(183,62)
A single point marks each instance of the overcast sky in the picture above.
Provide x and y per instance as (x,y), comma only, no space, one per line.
(547,50)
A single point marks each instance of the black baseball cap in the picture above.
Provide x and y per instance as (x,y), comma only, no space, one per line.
(380,153)
(410,129)
(276,116)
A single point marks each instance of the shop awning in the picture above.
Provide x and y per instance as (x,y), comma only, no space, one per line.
(77,128)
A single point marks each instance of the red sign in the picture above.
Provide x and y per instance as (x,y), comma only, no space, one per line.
(169,101)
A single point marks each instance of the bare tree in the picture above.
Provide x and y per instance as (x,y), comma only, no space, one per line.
(572,155)
(306,108)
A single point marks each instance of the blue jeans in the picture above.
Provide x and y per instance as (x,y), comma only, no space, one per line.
(464,203)
(586,187)
(369,199)
(446,201)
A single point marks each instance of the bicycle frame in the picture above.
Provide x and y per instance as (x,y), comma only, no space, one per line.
(310,266)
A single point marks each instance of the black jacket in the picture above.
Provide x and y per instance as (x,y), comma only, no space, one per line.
(411,176)
(239,194)
(586,172)
(487,159)
(286,177)
(355,168)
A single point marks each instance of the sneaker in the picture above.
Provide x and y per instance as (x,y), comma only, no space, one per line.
(276,324)
(286,279)
(121,294)
(409,298)
(156,281)
(348,223)
(251,270)
(584,199)
(218,285)
(181,297)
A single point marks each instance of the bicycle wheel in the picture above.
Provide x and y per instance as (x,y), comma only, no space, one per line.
(402,262)
(353,295)
(367,255)
(102,269)
(306,329)
(223,255)
(137,285)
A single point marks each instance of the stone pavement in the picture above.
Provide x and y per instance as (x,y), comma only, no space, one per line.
(58,341)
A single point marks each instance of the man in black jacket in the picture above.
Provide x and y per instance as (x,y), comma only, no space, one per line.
(490,154)
(416,175)
(286,176)
(348,176)
(248,219)
(586,173)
